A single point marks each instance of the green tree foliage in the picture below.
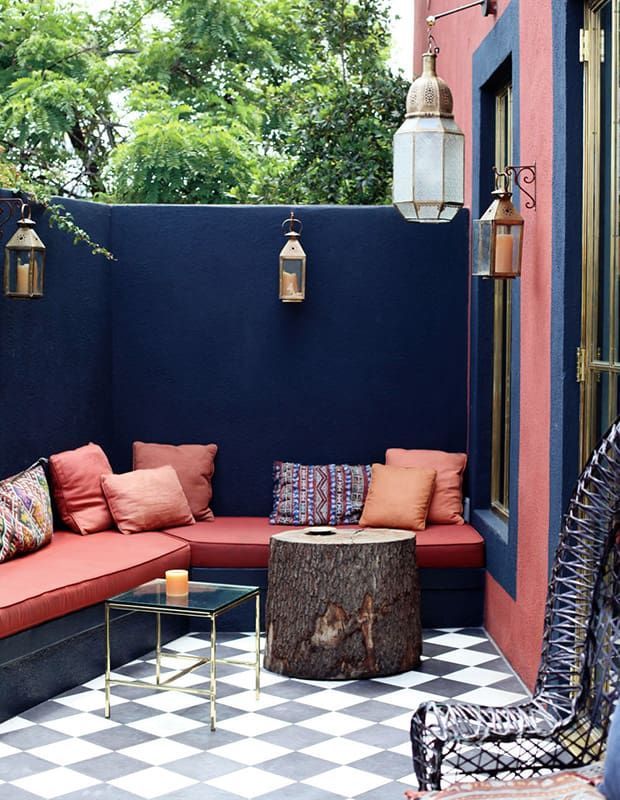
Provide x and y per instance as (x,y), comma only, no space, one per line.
(200,100)
(59,70)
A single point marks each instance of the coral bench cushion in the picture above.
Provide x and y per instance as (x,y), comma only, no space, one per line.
(448,546)
(229,542)
(73,572)
(243,542)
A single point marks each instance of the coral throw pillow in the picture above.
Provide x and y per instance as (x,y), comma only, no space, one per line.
(398,498)
(147,500)
(447,501)
(26,522)
(76,482)
(324,494)
(194,464)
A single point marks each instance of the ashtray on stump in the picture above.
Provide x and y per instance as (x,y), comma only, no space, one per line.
(344,605)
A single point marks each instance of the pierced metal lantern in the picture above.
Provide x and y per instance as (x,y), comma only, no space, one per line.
(429,151)
(498,239)
(24,260)
(292,263)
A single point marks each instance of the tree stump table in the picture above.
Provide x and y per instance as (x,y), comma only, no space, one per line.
(345,605)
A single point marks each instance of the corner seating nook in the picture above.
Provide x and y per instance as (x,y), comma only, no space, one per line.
(51,601)
(565,723)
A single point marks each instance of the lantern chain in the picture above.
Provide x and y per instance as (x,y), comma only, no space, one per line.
(488,7)
(433,47)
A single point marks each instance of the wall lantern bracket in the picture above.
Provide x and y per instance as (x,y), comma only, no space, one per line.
(488,7)
(24,253)
(522,175)
(9,208)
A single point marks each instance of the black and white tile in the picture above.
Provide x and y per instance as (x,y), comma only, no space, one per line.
(302,740)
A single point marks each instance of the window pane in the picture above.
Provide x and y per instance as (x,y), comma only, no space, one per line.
(500,451)
(603,290)
(601,404)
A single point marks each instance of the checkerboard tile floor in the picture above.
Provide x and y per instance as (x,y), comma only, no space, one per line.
(303,740)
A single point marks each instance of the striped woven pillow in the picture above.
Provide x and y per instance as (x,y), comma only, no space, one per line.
(325,494)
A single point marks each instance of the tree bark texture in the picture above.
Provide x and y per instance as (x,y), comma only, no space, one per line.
(343,606)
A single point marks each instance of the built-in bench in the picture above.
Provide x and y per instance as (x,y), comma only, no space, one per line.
(51,601)
(51,610)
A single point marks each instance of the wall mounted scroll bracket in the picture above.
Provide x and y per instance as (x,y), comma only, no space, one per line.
(522,175)
(9,207)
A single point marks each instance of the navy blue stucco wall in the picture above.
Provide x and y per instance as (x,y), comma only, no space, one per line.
(55,352)
(183,339)
(205,352)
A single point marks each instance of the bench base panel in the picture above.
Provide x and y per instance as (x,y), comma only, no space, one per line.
(58,655)
(451,598)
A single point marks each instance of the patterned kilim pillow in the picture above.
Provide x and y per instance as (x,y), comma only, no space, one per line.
(25,513)
(328,494)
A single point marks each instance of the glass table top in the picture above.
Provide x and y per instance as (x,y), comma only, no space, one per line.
(209,597)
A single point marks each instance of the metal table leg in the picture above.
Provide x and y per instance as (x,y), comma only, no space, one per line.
(257,629)
(107,661)
(157,648)
(213,682)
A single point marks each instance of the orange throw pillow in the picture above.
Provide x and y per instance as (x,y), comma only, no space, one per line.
(147,500)
(194,465)
(76,482)
(398,498)
(447,501)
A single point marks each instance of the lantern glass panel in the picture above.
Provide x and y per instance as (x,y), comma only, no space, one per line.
(39,267)
(454,171)
(23,272)
(291,279)
(506,250)
(429,168)
(403,172)
(483,231)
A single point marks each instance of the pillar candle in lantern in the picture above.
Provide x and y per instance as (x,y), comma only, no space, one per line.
(503,253)
(21,284)
(289,283)
(177,582)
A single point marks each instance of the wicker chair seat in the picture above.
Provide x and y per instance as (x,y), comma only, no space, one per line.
(471,722)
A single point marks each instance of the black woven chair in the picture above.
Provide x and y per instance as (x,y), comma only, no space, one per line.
(565,723)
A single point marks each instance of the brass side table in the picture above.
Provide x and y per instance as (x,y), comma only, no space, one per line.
(207,600)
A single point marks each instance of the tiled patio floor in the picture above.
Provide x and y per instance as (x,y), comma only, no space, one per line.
(303,740)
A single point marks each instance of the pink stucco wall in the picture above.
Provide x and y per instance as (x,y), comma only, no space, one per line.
(516,625)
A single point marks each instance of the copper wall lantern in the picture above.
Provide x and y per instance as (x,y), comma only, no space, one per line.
(24,260)
(292,263)
(498,234)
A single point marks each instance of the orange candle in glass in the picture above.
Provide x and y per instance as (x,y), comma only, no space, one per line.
(503,253)
(177,582)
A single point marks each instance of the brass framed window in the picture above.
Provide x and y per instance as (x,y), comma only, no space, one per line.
(502,333)
(598,357)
